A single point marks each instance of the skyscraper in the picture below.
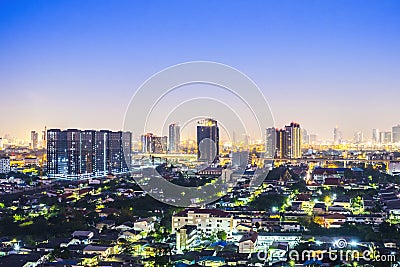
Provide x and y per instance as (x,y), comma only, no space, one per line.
(88,151)
(287,141)
(337,136)
(294,140)
(120,146)
(78,154)
(375,136)
(358,137)
(44,134)
(305,138)
(207,140)
(282,144)
(160,144)
(34,140)
(396,134)
(270,142)
(146,140)
(174,138)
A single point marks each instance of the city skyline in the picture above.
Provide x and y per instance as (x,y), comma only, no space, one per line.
(323,65)
(199,133)
(374,135)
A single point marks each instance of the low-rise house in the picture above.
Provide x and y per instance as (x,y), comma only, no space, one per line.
(23,260)
(266,239)
(211,261)
(343,201)
(51,245)
(131,235)
(338,209)
(106,224)
(321,174)
(126,226)
(392,209)
(319,208)
(390,243)
(102,251)
(240,228)
(366,219)
(290,227)
(332,182)
(84,237)
(105,212)
(145,224)
(295,216)
(331,220)
(248,243)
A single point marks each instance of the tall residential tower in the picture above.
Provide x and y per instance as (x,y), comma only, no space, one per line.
(82,154)
(207,140)
(174,138)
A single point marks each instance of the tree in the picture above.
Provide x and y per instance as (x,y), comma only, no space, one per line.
(300,186)
(62,253)
(222,235)
(267,202)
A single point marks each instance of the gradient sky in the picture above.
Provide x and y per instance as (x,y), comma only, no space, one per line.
(76,64)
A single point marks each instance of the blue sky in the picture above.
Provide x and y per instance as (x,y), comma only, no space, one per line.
(77,63)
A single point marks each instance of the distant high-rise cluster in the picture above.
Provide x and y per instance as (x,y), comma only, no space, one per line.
(153,144)
(386,137)
(75,153)
(207,140)
(284,143)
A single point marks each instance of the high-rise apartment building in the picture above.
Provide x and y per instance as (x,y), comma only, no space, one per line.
(337,136)
(284,143)
(174,131)
(358,137)
(207,140)
(270,143)
(78,154)
(44,136)
(34,140)
(396,134)
(375,136)
(294,140)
